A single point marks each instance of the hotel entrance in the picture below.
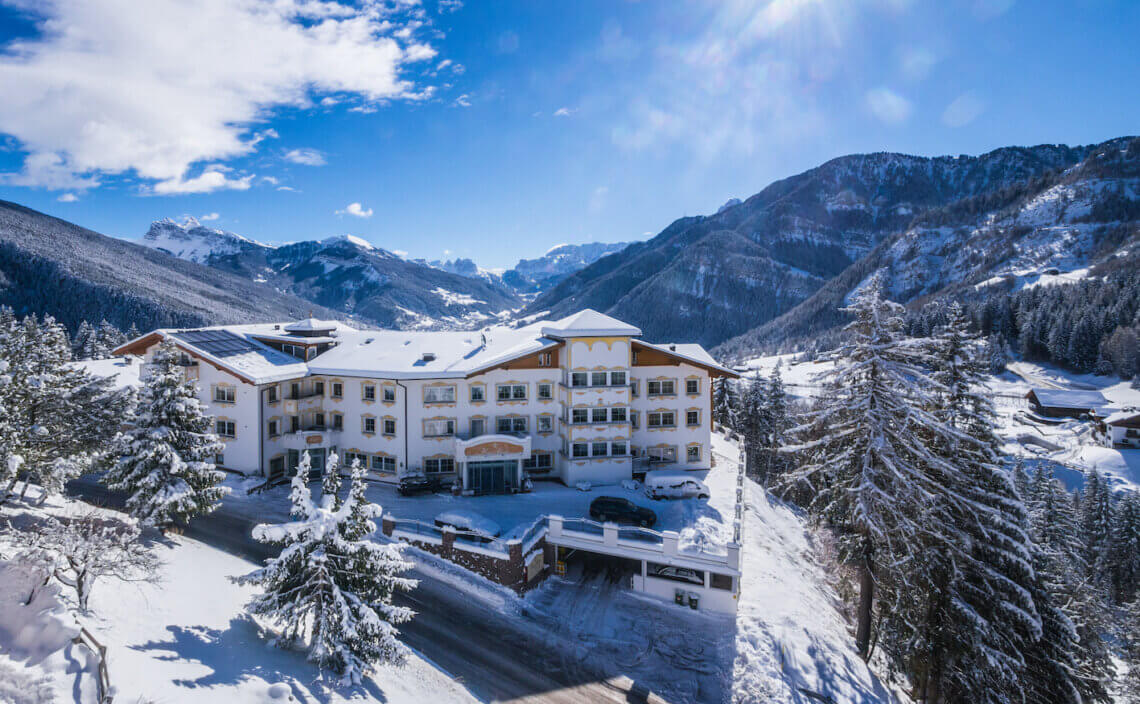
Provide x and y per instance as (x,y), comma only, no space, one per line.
(494,477)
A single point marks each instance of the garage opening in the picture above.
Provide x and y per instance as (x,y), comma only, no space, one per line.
(584,566)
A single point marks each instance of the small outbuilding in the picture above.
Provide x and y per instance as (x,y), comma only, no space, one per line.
(1065,403)
(1122,429)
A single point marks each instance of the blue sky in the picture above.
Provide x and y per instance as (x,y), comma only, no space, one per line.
(494,130)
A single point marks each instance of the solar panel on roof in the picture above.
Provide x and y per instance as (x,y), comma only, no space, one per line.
(220,343)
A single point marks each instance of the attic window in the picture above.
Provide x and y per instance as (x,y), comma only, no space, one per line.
(428,357)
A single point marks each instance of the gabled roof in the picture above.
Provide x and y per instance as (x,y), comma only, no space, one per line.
(589,323)
(1121,416)
(310,325)
(1065,398)
(691,353)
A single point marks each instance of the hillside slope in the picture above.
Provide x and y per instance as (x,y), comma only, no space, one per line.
(49,265)
(1027,234)
(790,239)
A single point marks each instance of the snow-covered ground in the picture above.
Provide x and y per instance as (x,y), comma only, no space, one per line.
(186,639)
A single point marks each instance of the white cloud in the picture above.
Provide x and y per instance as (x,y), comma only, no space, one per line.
(888,106)
(356,210)
(208,217)
(287,188)
(463,101)
(916,62)
(564,112)
(305,156)
(963,110)
(68,198)
(153,89)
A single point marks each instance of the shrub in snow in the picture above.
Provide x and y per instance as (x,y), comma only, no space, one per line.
(331,587)
(630,484)
(77,551)
(583,486)
(166,458)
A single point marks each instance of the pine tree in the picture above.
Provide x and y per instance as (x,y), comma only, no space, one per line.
(724,403)
(166,458)
(865,457)
(1124,550)
(82,341)
(1096,526)
(1128,691)
(330,483)
(331,587)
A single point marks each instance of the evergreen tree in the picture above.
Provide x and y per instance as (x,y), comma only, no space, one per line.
(166,459)
(724,403)
(82,342)
(1124,550)
(865,458)
(1096,526)
(1128,691)
(330,483)
(331,587)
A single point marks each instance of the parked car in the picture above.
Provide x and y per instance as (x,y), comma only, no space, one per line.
(674,486)
(412,484)
(469,524)
(616,510)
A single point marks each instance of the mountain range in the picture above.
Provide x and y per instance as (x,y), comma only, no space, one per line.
(774,269)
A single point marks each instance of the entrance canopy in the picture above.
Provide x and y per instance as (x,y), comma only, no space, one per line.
(492,464)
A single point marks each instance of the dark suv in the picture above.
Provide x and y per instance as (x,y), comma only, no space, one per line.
(418,484)
(612,509)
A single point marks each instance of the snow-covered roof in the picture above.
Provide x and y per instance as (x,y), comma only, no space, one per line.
(589,323)
(1065,398)
(692,352)
(310,325)
(403,354)
(1120,416)
(123,371)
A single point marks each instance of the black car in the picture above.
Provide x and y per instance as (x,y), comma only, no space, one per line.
(610,509)
(418,484)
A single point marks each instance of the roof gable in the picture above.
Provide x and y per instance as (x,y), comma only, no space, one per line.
(589,323)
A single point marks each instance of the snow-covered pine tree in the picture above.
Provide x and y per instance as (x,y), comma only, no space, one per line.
(752,423)
(1128,689)
(1096,526)
(724,403)
(330,483)
(166,458)
(82,340)
(865,457)
(1050,675)
(331,587)
(59,418)
(108,337)
(1124,550)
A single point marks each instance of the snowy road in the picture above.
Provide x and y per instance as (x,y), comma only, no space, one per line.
(473,643)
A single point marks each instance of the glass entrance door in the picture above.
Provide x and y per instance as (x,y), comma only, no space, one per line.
(497,477)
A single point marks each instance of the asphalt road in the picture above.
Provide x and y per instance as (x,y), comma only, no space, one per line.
(474,644)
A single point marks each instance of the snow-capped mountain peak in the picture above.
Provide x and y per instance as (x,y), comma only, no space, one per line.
(193,241)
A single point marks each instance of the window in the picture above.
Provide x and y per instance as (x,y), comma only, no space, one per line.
(337,421)
(545,392)
(439,394)
(662,454)
(635,352)
(225,428)
(294,423)
(271,394)
(617,415)
(337,390)
(692,417)
(318,388)
(318,420)
(544,359)
(478,393)
(661,388)
(633,420)
(478,427)
(720,581)
(383,463)
(295,390)
(224,394)
(618,448)
(369,392)
(389,426)
(350,457)
(598,415)
(579,415)
(439,465)
(220,460)
(510,425)
(693,453)
(273,429)
(692,386)
(662,419)
(546,424)
(675,574)
(578,379)
(370,426)
(540,461)
(634,388)
(390,393)
(277,467)
(581,449)
(512,392)
(617,378)
(598,379)
(601,449)
(439,427)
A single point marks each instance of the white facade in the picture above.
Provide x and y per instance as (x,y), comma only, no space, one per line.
(578,399)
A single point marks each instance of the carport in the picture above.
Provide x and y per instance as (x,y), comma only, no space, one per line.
(578,564)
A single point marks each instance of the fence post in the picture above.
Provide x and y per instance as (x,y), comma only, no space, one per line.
(609,534)
(554,526)
(669,542)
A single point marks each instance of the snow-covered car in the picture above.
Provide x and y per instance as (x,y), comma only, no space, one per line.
(674,486)
(469,523)
(680,574)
